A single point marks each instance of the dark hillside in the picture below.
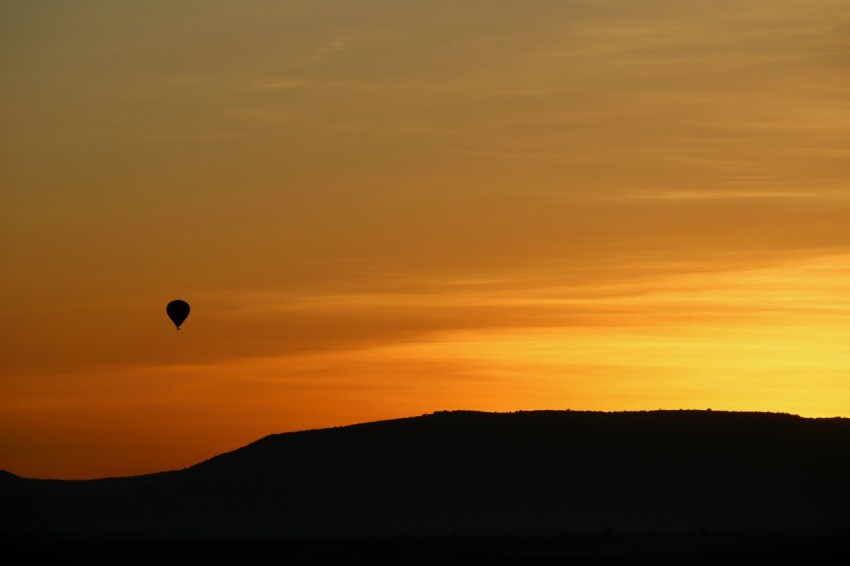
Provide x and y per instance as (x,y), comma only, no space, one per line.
(470,474)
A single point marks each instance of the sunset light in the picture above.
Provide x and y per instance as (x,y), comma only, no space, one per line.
(386,209)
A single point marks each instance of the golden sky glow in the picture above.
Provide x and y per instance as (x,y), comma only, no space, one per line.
(380,209)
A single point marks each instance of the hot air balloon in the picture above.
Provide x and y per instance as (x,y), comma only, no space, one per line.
(177,311)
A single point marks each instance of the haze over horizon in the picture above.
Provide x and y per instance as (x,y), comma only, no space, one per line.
(379,210)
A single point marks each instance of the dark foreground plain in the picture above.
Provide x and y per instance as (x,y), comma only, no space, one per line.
(707,486)
(682,548)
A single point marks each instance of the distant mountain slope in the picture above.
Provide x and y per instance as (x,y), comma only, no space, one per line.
(478,474)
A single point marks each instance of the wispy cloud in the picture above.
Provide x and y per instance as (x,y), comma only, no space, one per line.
(277,84)
(339,44)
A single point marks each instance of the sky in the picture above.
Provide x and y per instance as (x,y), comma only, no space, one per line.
(380,209)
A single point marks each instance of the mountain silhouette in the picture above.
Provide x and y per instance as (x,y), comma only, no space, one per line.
(467,474)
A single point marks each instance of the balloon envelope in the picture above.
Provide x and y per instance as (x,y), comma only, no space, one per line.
(177,311)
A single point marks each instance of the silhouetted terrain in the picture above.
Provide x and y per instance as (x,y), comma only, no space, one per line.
(474,482)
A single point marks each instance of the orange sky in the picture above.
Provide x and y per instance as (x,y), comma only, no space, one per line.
(380,209)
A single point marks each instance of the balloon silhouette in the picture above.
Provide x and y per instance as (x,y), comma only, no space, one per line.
(177,311)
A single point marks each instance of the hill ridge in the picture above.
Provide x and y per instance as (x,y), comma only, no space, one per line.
(470,473)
